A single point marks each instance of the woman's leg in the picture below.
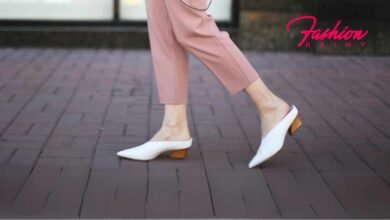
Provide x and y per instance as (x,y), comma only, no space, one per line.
(170,64)
(197,32)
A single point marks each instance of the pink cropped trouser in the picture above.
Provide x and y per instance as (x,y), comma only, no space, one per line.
(176,29)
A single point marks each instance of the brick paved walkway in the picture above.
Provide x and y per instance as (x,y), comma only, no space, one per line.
(65,112)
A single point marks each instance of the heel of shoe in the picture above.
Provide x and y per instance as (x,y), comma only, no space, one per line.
(295,125)
(178,154)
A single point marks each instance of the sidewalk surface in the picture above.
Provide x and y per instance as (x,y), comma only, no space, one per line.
(64,113)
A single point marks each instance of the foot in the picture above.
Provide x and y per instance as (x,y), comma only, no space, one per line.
(172,133)
(273,141)
(269,117)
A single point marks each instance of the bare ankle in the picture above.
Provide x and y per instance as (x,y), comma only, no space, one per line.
(273,104)
(173,131)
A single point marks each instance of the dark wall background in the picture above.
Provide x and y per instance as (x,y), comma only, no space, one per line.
(261,26)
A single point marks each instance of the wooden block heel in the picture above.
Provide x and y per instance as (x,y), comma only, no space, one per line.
(178,154)
(295,125)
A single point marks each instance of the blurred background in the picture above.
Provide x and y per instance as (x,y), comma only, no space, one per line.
(252,24)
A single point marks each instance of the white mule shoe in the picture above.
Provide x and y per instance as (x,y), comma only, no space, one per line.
(272,143)
(151,149)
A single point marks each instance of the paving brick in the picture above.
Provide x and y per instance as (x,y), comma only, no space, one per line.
(223,144)
(12,179)
(41,129)
(367,197)
(113,129)
(235,189)
(77,130)
(19,128)
(115,195)
(22,142)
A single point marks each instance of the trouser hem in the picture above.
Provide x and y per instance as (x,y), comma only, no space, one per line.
(239,89)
